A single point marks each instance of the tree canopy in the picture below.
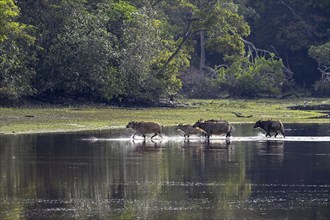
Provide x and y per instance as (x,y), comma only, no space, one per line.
(16,53)
(138,51)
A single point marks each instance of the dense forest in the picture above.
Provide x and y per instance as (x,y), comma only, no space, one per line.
(142,51)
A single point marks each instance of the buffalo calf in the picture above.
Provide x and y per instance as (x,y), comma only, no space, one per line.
(144,128)
(188,129)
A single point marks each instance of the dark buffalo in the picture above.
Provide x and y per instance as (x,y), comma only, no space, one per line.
(144,128)
(270,126)
(188,129)
(216,127)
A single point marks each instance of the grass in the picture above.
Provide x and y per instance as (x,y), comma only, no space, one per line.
(51,119)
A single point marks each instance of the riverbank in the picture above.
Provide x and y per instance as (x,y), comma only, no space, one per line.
(38,119)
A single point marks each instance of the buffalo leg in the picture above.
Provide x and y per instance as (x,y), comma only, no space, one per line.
(154,135)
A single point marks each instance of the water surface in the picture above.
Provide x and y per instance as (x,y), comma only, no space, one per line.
(106,175)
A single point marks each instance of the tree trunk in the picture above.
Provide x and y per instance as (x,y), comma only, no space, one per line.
(202,44)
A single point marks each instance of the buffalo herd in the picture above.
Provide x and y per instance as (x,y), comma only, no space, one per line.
(203,128)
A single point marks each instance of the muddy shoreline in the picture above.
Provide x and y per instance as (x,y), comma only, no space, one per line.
(323,108)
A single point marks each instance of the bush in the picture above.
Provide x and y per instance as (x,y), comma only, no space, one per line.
(322,88)
(198,85)
(252,78)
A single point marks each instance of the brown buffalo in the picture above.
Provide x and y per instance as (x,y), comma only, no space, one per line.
(188,129)
(144,128)
(216,127)
(270,126)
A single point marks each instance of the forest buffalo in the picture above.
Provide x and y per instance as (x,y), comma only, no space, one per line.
(216,127)
(188,129)
(270,126)
(144,128)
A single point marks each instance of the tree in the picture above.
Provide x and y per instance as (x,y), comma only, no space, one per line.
(78,55)
(289,28)
(321,54)
(103,50)
(15,69)
(8,12)
(144,55)
(134,50)
(246,77)
(216,24)
(80,60)
(212,32)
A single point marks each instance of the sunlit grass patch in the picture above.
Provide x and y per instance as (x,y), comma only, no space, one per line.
(39,119)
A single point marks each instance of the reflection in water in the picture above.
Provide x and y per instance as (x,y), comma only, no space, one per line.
(148,145)
(63,176)
(275,149)
(216,144)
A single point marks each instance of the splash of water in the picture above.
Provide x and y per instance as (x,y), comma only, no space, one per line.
(258,138)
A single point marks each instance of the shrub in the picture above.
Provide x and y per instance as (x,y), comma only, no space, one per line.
(252,78)
(322,88)
(197,84)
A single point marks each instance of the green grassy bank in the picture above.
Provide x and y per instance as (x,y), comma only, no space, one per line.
(54,119)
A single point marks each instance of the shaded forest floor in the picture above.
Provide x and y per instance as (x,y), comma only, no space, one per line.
(84,117)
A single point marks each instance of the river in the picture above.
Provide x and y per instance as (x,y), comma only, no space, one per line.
(106,175)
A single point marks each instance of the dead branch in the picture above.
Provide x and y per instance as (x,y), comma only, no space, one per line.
(325,70)
(298,17)
(238,114)
(261,53)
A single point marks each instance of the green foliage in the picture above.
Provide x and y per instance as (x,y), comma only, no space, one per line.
(246,78)
(8,11)
(291,27)
(79,62)
(15,71)
(320,53)
(322,88)
(135,49)
(123,9)
(220,20)
(146,47)
(225,29)
(104,50)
